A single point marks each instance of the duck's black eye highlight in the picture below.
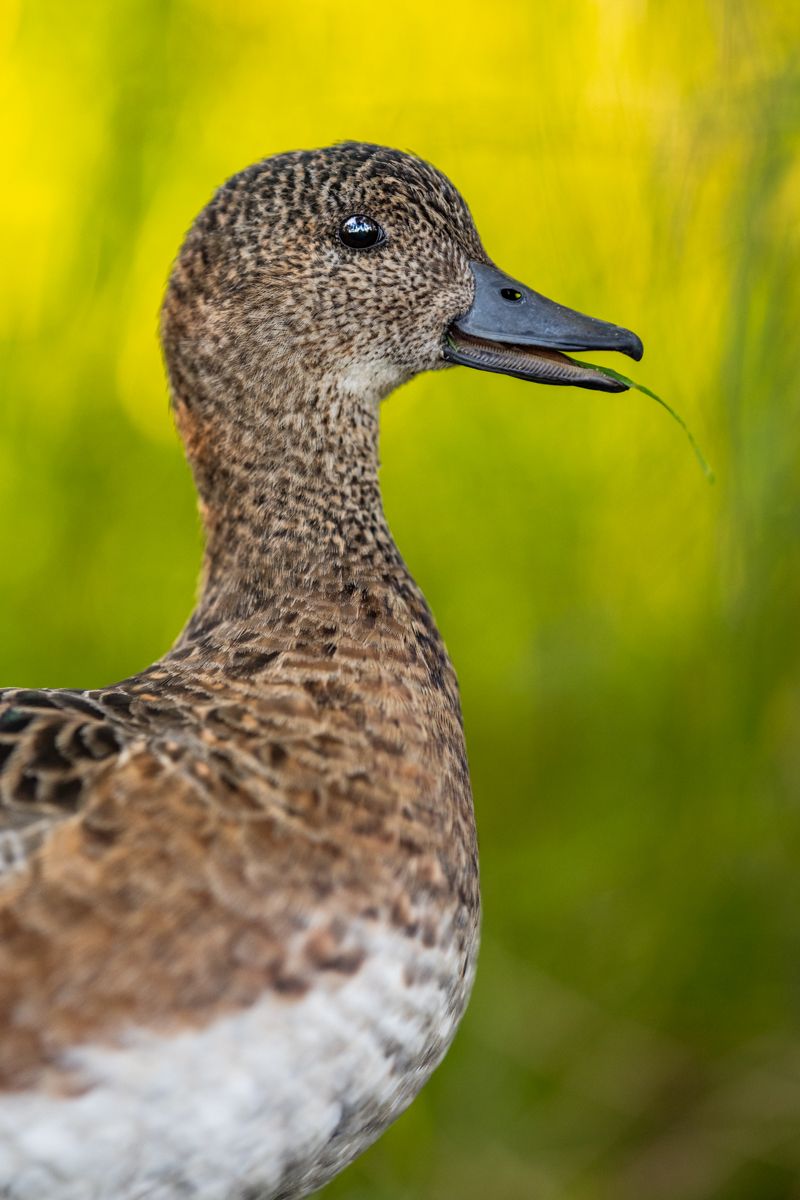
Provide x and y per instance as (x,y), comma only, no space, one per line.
(361,233)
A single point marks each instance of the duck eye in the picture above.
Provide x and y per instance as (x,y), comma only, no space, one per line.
(360,233)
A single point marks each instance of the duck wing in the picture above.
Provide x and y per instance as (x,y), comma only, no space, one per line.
(53,746)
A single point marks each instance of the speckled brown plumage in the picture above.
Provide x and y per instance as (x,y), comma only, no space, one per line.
(226,823)
(239,891)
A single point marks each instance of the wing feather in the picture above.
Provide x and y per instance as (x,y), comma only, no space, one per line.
(54,745)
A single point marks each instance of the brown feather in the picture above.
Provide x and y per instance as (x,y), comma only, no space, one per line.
(185,840)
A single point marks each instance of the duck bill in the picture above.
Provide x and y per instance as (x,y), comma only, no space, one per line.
(512,330)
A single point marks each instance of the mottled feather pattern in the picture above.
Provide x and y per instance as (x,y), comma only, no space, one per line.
(290,748)
(280,807)
(53,745)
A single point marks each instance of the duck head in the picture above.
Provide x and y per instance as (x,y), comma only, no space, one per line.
(359,266)
(312,285)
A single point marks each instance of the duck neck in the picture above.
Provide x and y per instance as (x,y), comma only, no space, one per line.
(289,493)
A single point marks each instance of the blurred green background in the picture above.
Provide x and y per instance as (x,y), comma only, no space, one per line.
(627,637)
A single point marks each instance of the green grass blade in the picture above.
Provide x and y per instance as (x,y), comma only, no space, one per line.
(701,458)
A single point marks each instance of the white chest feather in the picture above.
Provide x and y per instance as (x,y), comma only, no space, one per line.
(269,1102)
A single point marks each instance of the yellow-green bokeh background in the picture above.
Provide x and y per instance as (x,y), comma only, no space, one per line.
(626,636)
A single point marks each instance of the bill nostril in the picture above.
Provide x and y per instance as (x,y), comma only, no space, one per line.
(511,294)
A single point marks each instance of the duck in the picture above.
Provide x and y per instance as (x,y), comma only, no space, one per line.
(239,890)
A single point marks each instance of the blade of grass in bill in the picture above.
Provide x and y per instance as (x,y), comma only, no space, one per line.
(698,453)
